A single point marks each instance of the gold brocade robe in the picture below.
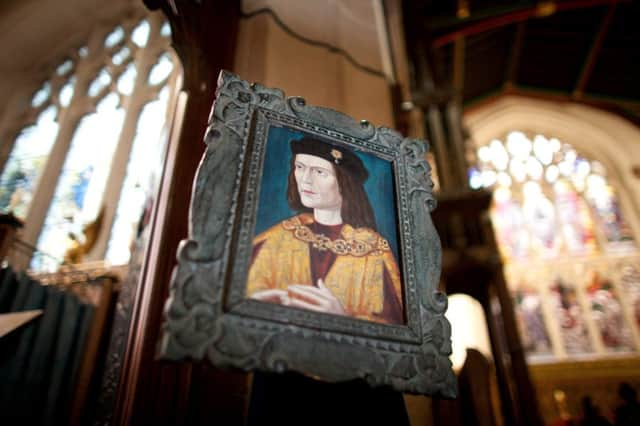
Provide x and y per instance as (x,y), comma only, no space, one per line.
(356,277)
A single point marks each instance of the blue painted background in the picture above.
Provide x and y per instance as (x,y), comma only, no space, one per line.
(273,206)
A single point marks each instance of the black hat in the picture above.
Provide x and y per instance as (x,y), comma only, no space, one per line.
(339,156)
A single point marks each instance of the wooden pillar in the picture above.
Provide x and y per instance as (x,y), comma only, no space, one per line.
(152,391)
(519,403)
(471,265)
(499,349)
(524,393)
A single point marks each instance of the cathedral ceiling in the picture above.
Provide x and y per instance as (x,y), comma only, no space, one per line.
(569,50)
(37,33)
(575,50)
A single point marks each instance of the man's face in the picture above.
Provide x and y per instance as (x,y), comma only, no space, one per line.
(317,182)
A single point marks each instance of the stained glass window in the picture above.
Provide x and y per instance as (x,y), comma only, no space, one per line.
(602,198)
(574,219)
(161,70)
(607,313)
(66,92)
(508,219)
(165,31)
(25,164)
(65,67)
(570,318)
(121,56)
(540,218)
(100,83)
(83,213)
(78,195)
(556,214)
(41,96)
(562,197)
(140,33)
(114,37)
(531,325)
(144,162)
(127,80)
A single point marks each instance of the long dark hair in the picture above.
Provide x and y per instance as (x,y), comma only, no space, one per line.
(356,209)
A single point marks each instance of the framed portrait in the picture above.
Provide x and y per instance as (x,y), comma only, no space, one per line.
(310,249)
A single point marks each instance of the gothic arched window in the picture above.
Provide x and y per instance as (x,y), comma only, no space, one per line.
(89,147)
(570,257)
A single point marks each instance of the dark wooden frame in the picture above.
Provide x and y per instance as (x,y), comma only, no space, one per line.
(207,313)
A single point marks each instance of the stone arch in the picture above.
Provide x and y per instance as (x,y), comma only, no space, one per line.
(598,134)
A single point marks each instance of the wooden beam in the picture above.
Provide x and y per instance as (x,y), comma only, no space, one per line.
(458,65)
(514,56)
(494,22)
(459,51)
(592,56)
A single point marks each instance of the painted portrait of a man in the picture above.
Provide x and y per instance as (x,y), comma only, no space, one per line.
(323,251)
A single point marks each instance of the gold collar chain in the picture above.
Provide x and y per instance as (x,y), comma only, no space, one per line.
(338,246)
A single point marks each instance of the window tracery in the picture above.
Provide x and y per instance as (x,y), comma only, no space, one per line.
(93,126)
(558,213)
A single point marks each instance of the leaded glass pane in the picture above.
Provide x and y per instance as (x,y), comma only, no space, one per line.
(78,195)
(552,173)
(530,321)
(140,34)
(127,80)
(543,149)
(165,31)
(564,196)
(498,155)
(161,70)
(508,219)
(114,37)
(489,178)
(519,145)
(99,83)
(64,67)
(534,168)
(41,96)
(121,56)
(144,166)
(26,162)
(540,217)
(66,92)
(518,170)
(475,178)
(602,198)
(607,313)
(574,218)
(552,205)
(570,318)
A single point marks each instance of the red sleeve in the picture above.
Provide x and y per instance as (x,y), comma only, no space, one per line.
(255,251)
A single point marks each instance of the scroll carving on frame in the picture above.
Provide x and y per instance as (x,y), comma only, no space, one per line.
(311,248)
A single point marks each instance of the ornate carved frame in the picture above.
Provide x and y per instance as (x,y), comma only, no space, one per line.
(208,315)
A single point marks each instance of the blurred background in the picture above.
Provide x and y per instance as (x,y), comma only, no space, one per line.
(532,114)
